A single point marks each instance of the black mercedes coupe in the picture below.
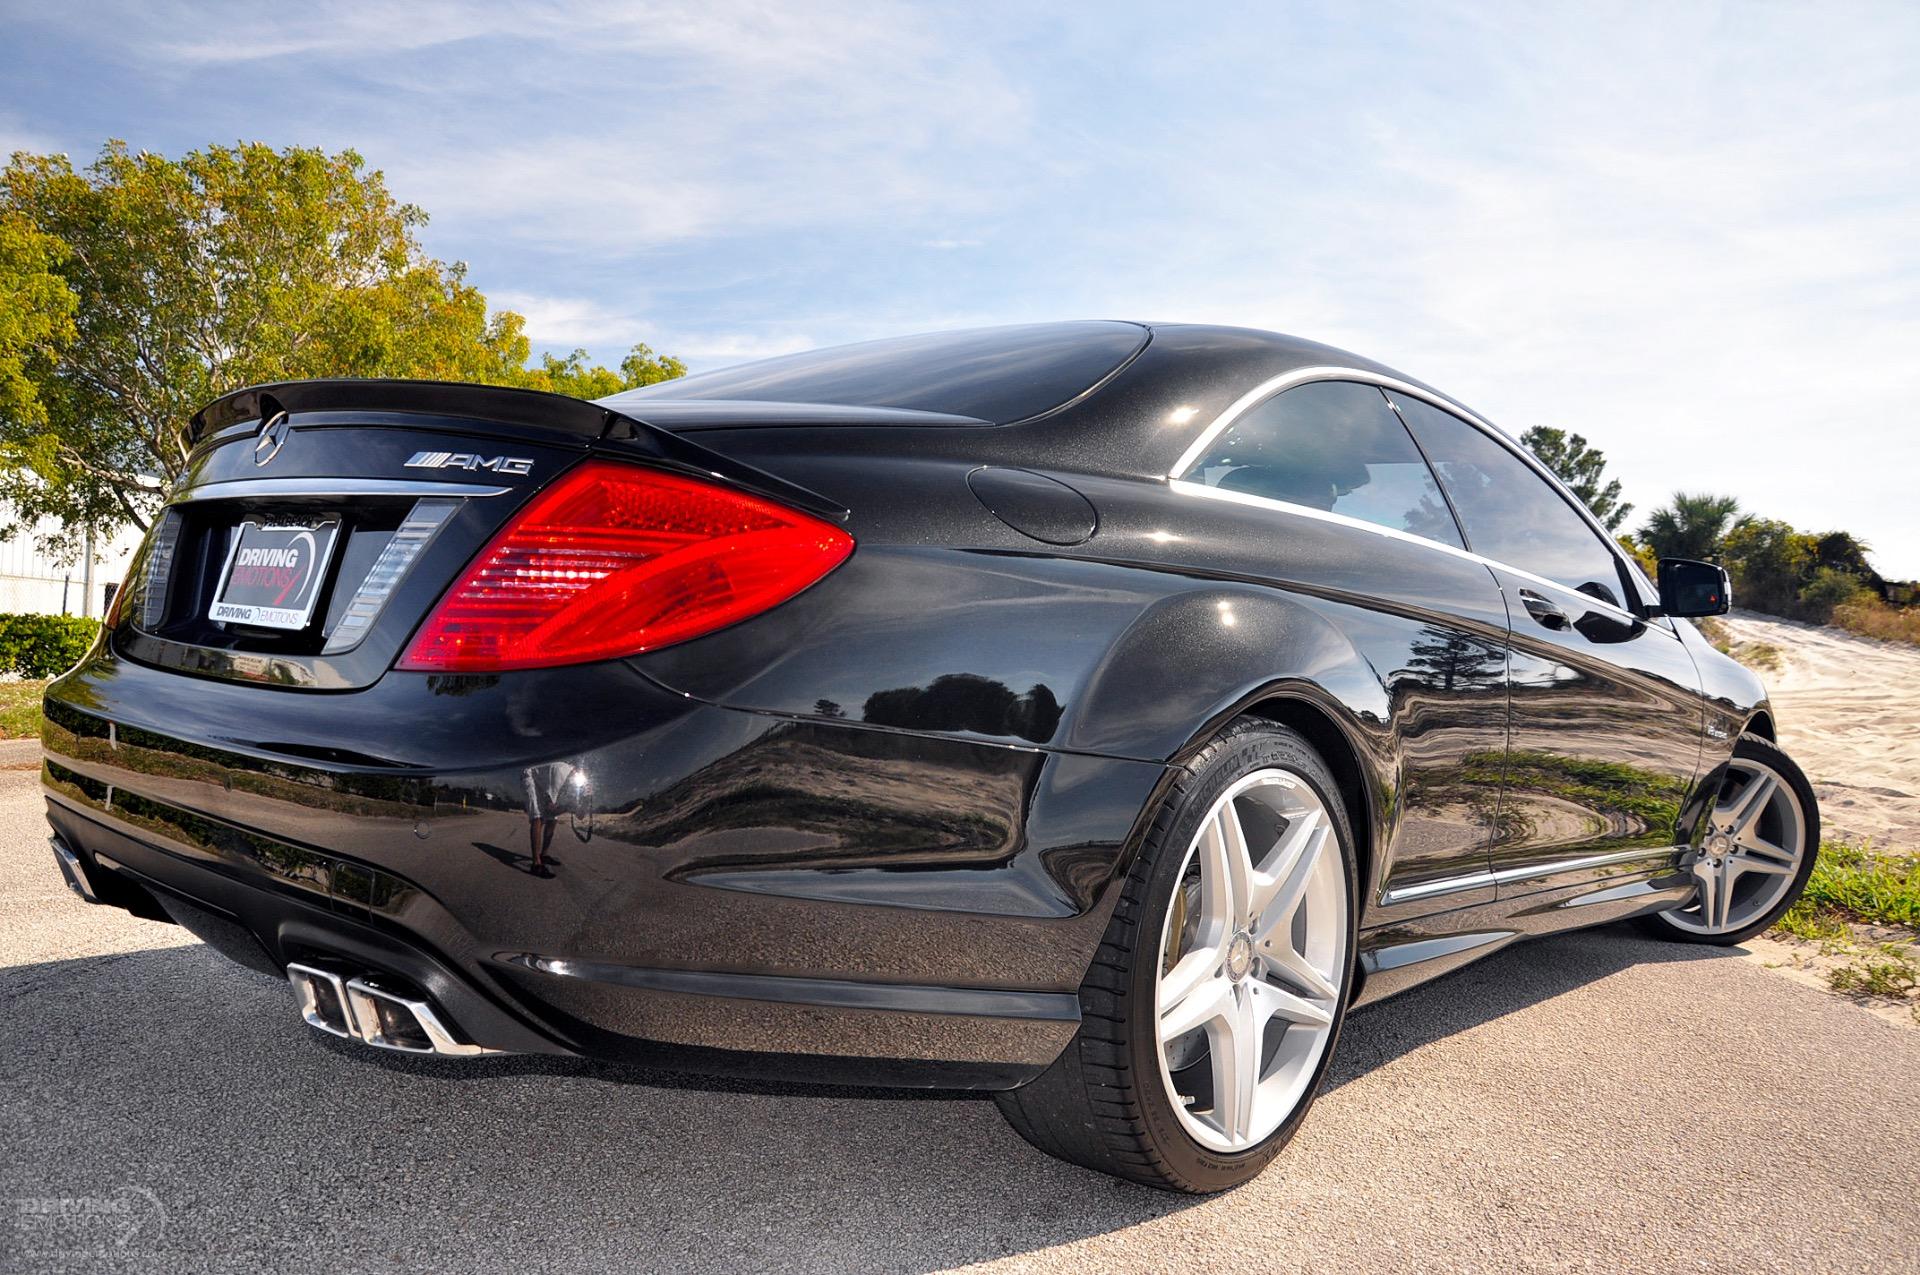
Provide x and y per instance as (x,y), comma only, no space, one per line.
(1090,713)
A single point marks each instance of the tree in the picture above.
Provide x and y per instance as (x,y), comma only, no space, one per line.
(1845,552)
(1769,562)
(1782,571)
(1582,469)
(1829,588)
(1692,527)
(1453,661)
(36,316)
(228,267)
(1640,553)
(574,376)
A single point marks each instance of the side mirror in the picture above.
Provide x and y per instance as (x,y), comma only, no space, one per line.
(1690,589)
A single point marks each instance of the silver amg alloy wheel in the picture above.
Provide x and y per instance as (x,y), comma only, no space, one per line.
(1251,961)
(1751,855)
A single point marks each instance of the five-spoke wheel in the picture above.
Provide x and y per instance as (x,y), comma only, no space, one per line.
(1755,850)
(1212,1010)
(1251,958)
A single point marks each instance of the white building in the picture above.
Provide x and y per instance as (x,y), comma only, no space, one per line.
(33,581)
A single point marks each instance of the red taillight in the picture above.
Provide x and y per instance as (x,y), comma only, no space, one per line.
(614,559)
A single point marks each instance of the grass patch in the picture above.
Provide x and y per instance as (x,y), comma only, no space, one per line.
(1889,972)
(1814,924)
(20,708)
(1854,902)
(1870,617)
(1861,884)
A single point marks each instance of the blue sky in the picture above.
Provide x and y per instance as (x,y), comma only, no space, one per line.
(1690,232)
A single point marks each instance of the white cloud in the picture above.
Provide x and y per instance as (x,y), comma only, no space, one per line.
(613,127)
(1685,231)
(570,321)
(15,136)
(1691,241)
(704,351)
(563,323)
(199,33)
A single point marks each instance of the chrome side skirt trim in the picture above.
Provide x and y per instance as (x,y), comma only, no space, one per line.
(1531,872)
(1432,889)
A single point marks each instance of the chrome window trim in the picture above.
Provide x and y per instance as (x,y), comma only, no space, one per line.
(1509,876)
(248,487)
(1187,488)
(1301,376)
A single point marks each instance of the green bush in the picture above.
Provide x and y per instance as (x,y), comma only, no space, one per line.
(1828,589)
(44,645)
(1642,554)
(1769,561)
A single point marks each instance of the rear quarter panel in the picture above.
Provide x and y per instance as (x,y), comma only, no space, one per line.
(1175,615)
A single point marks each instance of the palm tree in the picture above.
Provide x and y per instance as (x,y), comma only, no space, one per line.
(1692,527)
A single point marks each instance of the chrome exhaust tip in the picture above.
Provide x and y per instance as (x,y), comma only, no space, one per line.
(322,996)
(73,868)
(388,1020)
(360,1009)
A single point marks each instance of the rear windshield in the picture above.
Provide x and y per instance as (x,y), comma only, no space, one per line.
(992,374)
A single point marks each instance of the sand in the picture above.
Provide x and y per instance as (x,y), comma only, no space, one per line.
(1848,710)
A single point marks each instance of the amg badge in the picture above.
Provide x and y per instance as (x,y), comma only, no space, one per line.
(467,460)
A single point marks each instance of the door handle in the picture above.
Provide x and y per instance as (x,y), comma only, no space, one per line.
(1544,612)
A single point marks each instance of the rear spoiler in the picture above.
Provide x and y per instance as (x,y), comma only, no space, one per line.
(532,409)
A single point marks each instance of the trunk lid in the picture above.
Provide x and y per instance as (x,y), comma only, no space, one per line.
(319,521)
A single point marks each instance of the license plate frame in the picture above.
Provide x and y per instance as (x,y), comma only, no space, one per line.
(283,568)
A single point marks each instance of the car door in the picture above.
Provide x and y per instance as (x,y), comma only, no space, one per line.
(1606,715)
(1348,509)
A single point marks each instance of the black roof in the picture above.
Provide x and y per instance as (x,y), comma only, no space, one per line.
(992,375)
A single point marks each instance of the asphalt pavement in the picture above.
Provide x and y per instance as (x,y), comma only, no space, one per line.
(1599,1101)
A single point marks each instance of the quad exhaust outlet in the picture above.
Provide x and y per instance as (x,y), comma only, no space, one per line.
(360,1009)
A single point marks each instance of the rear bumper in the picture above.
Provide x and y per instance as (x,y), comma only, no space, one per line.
(681,885)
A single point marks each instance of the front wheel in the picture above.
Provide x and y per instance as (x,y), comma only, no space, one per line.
(1212,1009)
(1756,852)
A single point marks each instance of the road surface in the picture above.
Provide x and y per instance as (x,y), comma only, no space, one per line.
(1595,1102)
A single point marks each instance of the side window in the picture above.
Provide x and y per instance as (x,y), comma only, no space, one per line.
(1332,445)
(1510,513)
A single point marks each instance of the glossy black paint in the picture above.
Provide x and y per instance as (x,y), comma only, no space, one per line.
(875,832)
(1605,734)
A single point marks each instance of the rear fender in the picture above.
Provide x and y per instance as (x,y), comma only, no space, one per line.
(1209,656)
(1198,656)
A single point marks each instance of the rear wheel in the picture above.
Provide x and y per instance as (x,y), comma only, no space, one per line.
(1761,840)
(1211,1012)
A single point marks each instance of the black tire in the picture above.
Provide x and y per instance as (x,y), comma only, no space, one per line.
(1753,747)
(1102,1104)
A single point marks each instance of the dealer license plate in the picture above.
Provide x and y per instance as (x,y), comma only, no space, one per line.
(274,574)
